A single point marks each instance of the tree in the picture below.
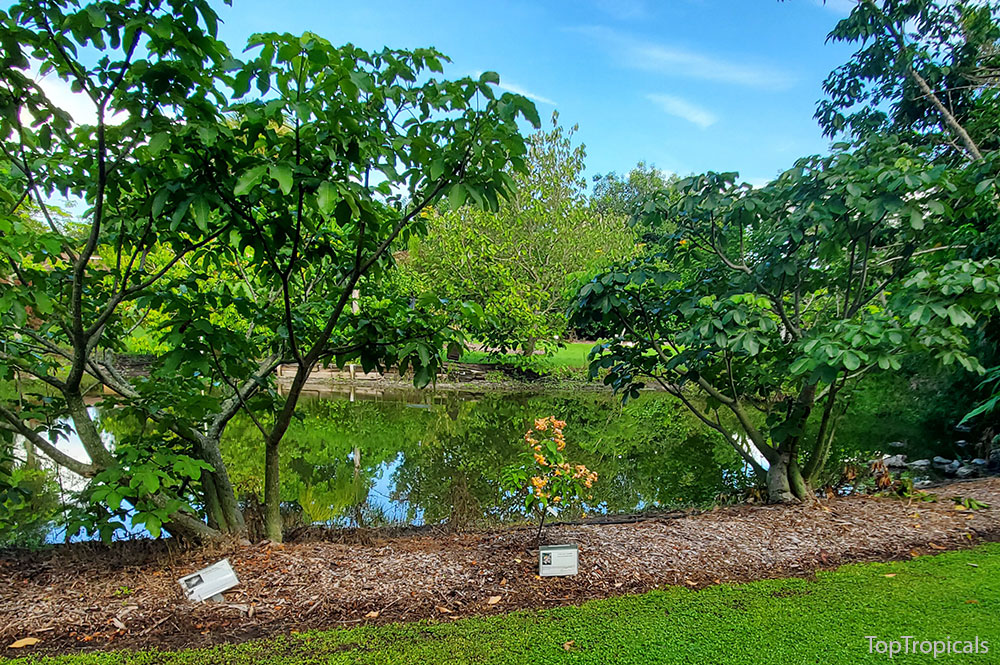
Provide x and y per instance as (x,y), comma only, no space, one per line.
(518,261)
(927,69)
(765,304)
(924,67)
(624,196)
(248,219)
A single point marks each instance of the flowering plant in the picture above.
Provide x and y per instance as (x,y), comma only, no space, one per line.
(553,483)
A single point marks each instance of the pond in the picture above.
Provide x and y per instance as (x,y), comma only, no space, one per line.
(422,457)
(407,457)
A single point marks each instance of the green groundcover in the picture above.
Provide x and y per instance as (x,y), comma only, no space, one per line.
(864,613)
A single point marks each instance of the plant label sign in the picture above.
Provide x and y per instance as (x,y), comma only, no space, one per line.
(209,583)
(557,560)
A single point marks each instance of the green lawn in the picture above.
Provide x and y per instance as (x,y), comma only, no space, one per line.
(952,596)
(573,356)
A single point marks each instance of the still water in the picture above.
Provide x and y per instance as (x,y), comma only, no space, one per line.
(408,457)
(421,457)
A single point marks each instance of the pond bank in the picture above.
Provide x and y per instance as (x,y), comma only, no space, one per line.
(83,596)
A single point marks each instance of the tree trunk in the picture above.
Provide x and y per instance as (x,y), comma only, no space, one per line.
(779,487)
(211,501)
(229,507)
(272,493)
(528,347)
(799,485)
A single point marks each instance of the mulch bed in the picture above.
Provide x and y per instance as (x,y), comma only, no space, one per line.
(86,596)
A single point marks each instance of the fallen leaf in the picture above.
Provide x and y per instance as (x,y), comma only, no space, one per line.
(972,601)
(24,642)
(493,600)
(974,565)
(503,582)
(372,615)
(936,546)
(568,646)
(517,561)
(442,609)
(890,574)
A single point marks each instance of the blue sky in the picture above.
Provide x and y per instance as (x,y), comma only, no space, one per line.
(689,85)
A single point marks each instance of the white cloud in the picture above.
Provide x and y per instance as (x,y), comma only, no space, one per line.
(78,105)
(675,61)
(684,109)
(518,90)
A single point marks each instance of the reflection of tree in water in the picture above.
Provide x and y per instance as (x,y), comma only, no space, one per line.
(438,458)
(330,457)
(445,457)
(651,452)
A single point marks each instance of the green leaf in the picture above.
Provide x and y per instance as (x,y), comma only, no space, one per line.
(326,197)
(201,209)
(158,143)
(249,179)
(456,197)
(343,212)
(159,201)
(800,365)
(283,174)
(43,302)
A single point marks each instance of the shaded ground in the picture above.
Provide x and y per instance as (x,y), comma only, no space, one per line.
(80,597)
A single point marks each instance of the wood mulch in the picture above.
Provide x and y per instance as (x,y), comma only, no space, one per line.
(86,596)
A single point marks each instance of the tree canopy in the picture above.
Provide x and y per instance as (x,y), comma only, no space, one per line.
(241,201)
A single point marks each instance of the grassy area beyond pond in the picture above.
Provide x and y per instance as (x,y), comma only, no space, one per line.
(953,597)
(572,355)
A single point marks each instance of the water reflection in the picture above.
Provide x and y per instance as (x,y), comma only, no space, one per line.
(434,457)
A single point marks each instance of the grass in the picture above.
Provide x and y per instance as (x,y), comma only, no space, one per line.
(787,622)
(572,356)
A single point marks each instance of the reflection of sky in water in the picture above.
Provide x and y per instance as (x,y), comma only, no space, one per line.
(418,453)
(71,483)
(380,494)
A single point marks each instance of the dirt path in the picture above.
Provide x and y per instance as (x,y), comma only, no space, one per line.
(81,597)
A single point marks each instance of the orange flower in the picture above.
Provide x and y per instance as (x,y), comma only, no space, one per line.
(541,459)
